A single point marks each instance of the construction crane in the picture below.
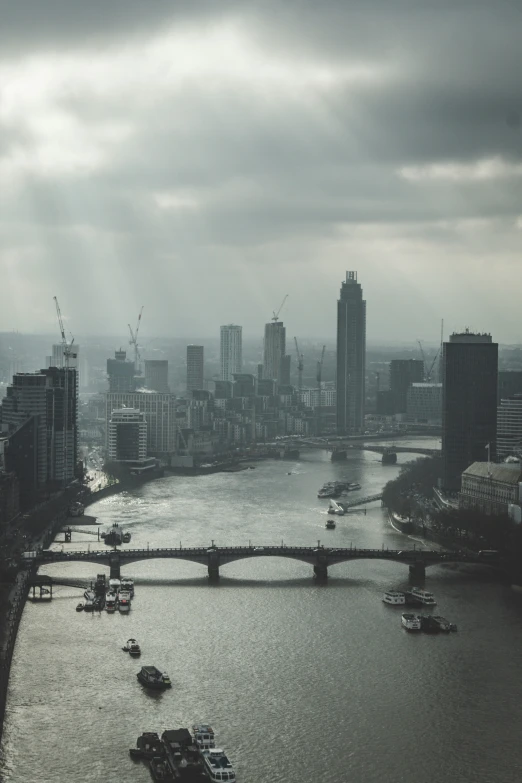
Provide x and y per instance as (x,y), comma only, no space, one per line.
(68,353)
(428,372)
(300,366)
(319,375)
(134,341)
(275,316)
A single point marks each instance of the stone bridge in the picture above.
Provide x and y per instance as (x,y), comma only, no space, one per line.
(213,557)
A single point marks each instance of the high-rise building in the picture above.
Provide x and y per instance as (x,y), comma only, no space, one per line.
(274,349)
(509,427)
(160,415)
(230,349)
(157,375)
(351,356)
(469,404)
(404,372)
(509,384)
(194,367)
(127,436)
(121,373)
(284,370)
(424,403)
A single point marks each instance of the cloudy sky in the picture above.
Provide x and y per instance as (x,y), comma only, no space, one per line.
(203,158)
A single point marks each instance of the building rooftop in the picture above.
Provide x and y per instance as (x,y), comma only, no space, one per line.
(506,473)
(427,385)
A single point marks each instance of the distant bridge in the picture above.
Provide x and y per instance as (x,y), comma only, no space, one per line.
(339,445)
(214,557)
(360,501)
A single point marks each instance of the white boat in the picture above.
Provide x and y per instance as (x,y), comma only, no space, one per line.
(114,585)
(127,585)
(335,508)
(394,598)
(203,736)
(89,595)
(111,600)
(217,765)
(411,621)
(426,598)
(330,524)
(124,602)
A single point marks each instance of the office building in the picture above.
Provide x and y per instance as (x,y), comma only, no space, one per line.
(284,370)
(404,372)
(21,458)
(509,384)
(274,349)
(157,375)
(9,498)
(127,435)
(351,356)
(120,373)
(195,367)
(509,427)
(424,403)
(230,351)
(160,415)
(469,404)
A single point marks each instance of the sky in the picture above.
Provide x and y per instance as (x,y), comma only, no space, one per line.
(205,158)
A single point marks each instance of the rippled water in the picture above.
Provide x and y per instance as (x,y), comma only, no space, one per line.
(302,682)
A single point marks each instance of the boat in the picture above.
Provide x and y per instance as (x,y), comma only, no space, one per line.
(160,769)
(111,600)
(453,627)
(426,598)
(411,621)
(353,487)
(148,745)
(89,595)
(127,585)
(133,648)
(330,524)
(151,677)
(335,508)
(217,765)
(114,585)
(428,624)
(114,536)
(443,624)
(203,735)
(183,755)
(89,606)
(394,598)
(79,607)
(389,457)
(124,602)
(125,538)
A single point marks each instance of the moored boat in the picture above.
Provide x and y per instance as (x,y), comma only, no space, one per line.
(443,624)
(124,602)
(428,624)
(148,745)
(183,755)
(424,596)
(203,735)
(411,622)
(114,585)
(79,607)
(127,585)
(217,765)
(160,769)
(89,606)
(111,600)
(153,678)
(394,598)
(133,648)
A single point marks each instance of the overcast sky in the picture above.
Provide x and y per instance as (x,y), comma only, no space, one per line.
(205,161)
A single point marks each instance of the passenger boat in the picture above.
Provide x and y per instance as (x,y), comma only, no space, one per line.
(133,648)
(160,770)
(151,677)
(183,755)
(411,621)
(114,585)
(203,735)
(353,486)
(110,602)
(217,765)
(330,524)
(79,607)
(114,536)
(394,598)
(124,602)
(127,585)
(426,598)
(443,624)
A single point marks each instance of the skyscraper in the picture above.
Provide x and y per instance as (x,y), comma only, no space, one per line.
(509,427)
(230,349)
(404,372)
(194,367)
(469,404)
(121,373)
(274,349)
(351,356)
(157,375)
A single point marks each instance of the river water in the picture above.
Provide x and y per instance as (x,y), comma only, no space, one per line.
(302,683)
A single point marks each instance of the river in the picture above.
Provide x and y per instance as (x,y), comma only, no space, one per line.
(302,682)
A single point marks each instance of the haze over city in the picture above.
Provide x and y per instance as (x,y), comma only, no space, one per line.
(207,160)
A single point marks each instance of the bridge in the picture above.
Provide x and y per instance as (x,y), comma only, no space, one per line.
(360,501)
(341,445)
(213,557)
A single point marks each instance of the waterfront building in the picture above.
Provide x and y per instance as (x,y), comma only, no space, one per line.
(230,351)
(157,375)
(509,427)
(195,365)
(509,383)
(469,404)
(351,356)
(160,414)
(127,435)
(274,349)
(491,489)
(404,372)
(424,403)
(121,373)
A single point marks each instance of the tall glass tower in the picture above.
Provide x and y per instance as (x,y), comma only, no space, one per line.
(351,356)
(230,351)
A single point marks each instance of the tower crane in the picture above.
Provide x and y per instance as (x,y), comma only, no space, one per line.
(68,353)
(300,366)
(134,341)
(319,375)
(275,316)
